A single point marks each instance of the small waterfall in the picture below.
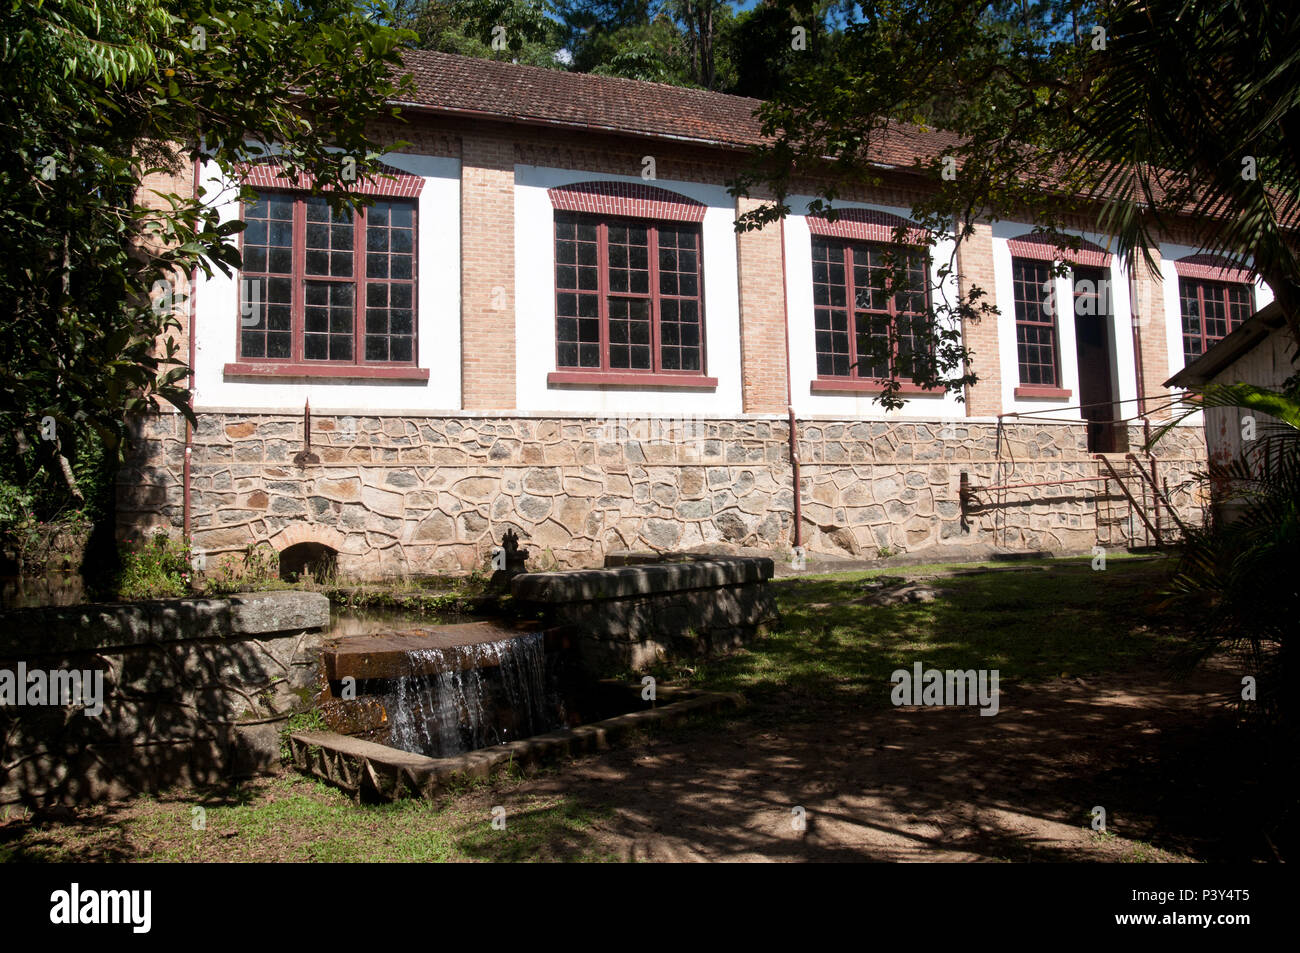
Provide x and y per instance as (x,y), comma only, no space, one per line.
(473,696)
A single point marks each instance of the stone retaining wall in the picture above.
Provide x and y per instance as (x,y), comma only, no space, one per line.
(194,691)
(413,495)
(629,617)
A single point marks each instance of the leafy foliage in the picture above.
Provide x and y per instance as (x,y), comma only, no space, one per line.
(102,99)
(1239,573)
(1125,114)
(521,31)
(157,568)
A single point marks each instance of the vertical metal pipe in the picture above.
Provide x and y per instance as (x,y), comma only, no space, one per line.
(789,398)
(186,516)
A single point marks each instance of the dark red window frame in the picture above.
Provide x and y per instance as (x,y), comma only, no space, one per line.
(1197,298)
(1038,354)
(837,347)
(597,333)
(357,365)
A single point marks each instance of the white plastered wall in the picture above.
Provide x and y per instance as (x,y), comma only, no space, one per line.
(803,343)
(535,306)
(438,327)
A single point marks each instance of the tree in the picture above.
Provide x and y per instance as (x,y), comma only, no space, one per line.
(96,96)
(1128,113)
(670,41)
(521,31)
(762,45)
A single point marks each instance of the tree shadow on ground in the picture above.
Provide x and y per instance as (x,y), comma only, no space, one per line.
(1095,712)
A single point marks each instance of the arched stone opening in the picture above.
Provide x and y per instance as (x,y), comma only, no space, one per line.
(319,560)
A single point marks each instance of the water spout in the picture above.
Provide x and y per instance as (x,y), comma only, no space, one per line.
(474,696)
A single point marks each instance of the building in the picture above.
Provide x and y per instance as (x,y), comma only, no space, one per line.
(1259,351)
(547,322)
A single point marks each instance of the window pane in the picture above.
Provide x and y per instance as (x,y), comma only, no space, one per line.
(875,347)
(830,324)
(390,243)
(390,323)
(629,326)
(577,315)
(267,239)
(679,335)
(577,321)
(328,324)
(1035,306)
(627,243)
(1210,310)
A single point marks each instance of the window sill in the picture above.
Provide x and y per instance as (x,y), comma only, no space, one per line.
(344,372)
(1042,393)
(833,385)
(600,379)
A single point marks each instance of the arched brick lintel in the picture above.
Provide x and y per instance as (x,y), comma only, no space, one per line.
(1044,248)
(1211,268)
(631,199)
(391,182)
(865,224)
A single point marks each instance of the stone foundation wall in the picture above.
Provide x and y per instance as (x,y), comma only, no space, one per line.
(413,495)
(628,617)
(195,691)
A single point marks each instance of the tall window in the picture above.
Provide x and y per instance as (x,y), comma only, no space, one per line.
(628,296)
(1211,310)
(1036,335)
(865,328)
(326,287)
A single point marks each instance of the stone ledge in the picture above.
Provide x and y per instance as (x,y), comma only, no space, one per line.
(589,585)
(259,613)
(364,768)
(53,630)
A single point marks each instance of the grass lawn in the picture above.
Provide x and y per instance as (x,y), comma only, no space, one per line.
(1031,621)
(830,658)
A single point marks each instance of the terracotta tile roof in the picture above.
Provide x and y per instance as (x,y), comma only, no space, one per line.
(473,87)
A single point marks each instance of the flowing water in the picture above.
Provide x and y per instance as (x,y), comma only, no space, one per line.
(477,695)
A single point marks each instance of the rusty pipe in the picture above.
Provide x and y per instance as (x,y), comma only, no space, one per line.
(789,398)
(186,509)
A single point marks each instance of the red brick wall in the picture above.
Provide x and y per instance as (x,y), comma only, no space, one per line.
(1155,348)
(975,263)
(179,181)
(762,316)
(487,283)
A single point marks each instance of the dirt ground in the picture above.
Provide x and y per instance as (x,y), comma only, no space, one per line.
(937,784)
(1162,756)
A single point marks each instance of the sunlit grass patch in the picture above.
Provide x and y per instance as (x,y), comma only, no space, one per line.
(1038,621)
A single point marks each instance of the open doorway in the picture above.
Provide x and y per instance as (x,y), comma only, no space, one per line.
(1094,342)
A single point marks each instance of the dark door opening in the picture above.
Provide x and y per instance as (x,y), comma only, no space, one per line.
(1092,341)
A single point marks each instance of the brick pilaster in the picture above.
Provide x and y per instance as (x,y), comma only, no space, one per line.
(487,284)
(975,267)
(762,316)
